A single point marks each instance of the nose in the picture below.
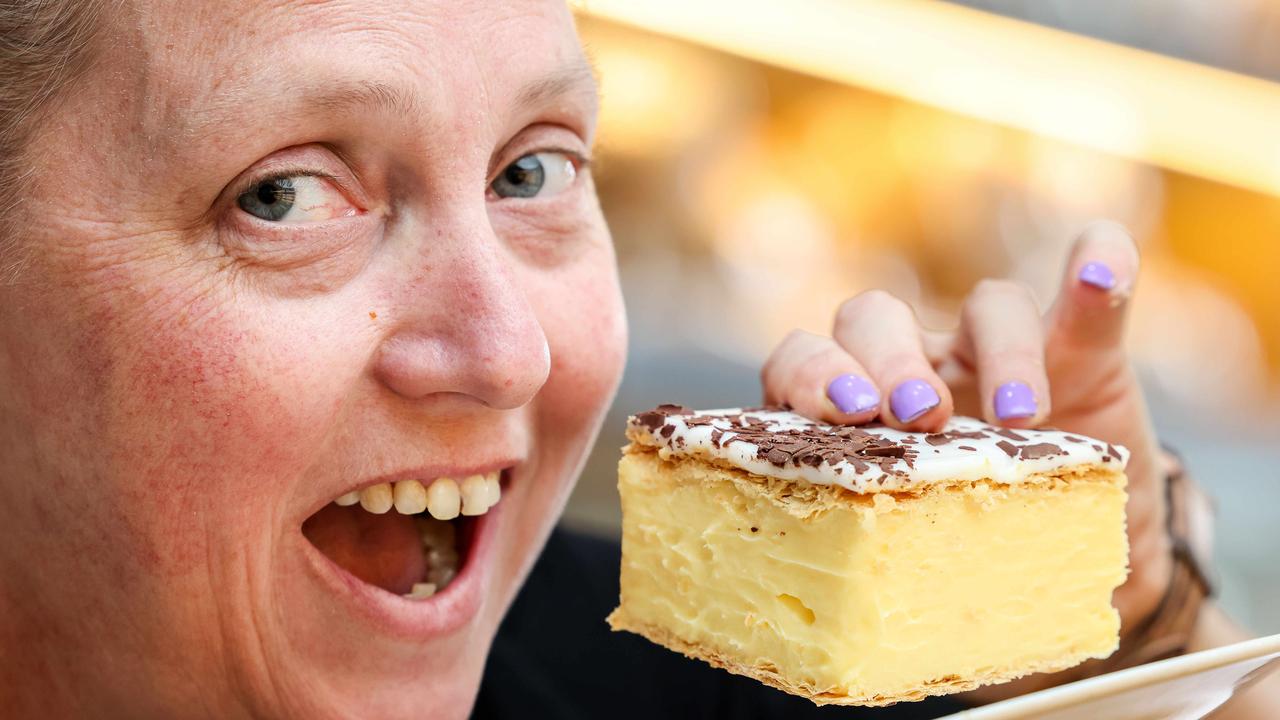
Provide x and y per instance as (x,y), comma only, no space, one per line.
(465,326)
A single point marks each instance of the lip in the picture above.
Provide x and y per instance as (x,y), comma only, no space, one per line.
(442,613)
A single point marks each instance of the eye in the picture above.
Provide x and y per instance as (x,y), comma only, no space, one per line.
(544,173)
(295,199)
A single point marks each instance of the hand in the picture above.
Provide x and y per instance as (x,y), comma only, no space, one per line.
(1009,364)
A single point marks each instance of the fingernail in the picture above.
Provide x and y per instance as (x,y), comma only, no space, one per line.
(913,398)
(1098,275)
(853,394)
(1015,400)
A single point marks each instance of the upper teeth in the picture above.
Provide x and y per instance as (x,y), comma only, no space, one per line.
(443,498)
(410,497)
(377,499)
(475,495)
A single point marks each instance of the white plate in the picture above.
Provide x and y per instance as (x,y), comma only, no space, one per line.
(1182,688)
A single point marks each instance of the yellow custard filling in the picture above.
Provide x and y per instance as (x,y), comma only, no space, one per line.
(871,598)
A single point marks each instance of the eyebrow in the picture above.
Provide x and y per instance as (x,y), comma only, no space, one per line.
(364,94)
(576,78)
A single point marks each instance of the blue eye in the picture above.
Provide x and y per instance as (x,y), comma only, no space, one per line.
(544,173)
(269,200)
(295,199)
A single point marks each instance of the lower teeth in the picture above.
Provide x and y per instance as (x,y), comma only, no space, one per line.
(439,541)
(422,590)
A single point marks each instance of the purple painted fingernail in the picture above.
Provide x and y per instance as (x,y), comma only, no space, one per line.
(853,394)
(913,398)
(1098,275)
(1015,400)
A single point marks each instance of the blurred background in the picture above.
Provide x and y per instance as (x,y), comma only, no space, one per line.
(761,161)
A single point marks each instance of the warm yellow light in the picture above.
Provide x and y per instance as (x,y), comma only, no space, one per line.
(1181,115)
(654,101)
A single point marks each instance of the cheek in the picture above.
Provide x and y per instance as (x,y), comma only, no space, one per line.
(583,318)
(208,425)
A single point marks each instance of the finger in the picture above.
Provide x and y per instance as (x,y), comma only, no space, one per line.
(881,333)
(819,380)
(1101,272)
(1002,331)
(937,345)
(955,367)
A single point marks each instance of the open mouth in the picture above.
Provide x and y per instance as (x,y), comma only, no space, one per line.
(409,537)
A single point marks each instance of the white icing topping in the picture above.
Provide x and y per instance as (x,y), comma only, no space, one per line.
(996,454)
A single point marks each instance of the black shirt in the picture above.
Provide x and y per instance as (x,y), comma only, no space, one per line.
(555,657)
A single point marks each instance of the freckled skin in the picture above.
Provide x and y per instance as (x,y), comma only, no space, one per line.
(181,387)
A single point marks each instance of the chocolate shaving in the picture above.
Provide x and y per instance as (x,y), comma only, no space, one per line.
(657,417)
(893,451)
(851,432)
(673,409)
(650,421)
(948,436)
(1006,432)
(813,446)
(1040,450)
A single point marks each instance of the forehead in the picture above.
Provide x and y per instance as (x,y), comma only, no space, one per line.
(204,61)
(370,30)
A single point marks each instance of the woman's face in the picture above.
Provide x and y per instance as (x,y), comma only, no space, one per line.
(273,253)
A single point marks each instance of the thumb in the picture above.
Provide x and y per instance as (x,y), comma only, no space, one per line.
(1086,323)
(1097,393)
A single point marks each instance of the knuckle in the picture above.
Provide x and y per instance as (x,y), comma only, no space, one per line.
(796,338)
(904,363)
(814,368)
(1001,288)
(1029,358)
(869,301)
(793,349)
(992,293)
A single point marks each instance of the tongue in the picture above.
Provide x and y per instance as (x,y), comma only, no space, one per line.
(383,550)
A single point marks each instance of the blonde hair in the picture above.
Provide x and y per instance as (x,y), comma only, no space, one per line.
(44,45)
